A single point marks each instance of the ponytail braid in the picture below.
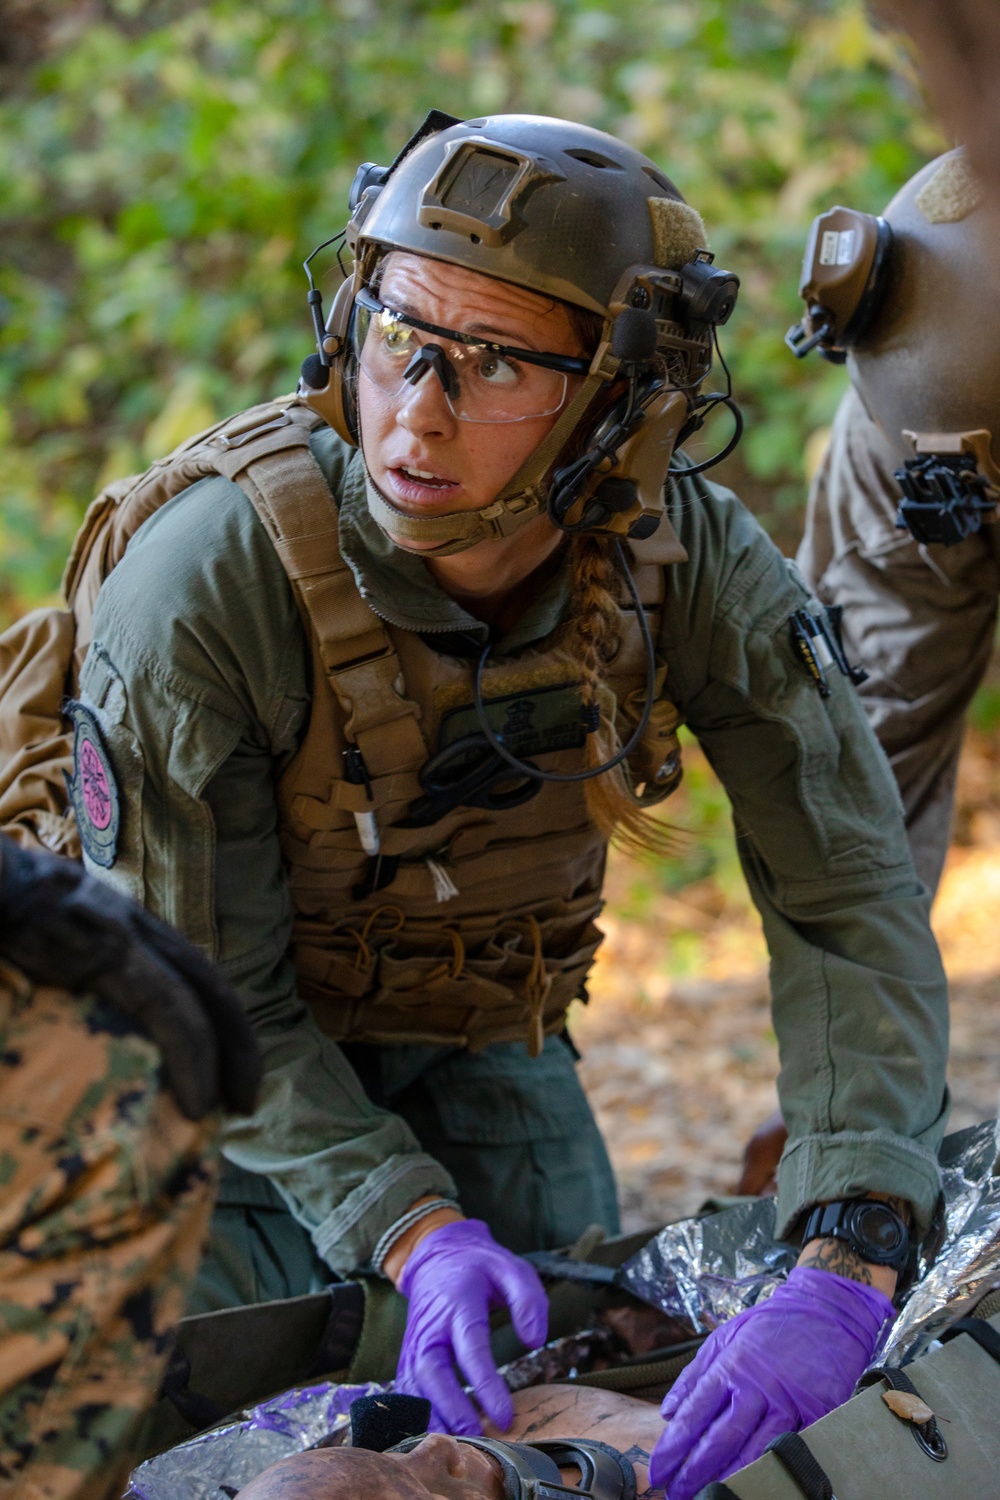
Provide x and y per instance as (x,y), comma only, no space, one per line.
(612,806)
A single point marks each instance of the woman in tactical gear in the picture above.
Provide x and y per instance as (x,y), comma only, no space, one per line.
(374,691)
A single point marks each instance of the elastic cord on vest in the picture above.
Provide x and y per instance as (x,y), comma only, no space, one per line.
(525,767)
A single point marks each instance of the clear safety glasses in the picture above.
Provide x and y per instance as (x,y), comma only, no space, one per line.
(482,381)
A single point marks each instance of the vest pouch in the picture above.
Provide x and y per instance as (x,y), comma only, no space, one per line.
(441,983)
(339,960)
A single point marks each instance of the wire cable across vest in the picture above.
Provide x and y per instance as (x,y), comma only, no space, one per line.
(524,766)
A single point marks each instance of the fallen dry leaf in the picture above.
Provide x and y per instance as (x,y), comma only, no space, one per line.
(908,1406)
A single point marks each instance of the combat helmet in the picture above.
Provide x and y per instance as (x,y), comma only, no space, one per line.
(570,213)
(910,303)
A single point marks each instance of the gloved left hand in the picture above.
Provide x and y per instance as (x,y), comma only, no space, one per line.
(775,1368)
(453,1279)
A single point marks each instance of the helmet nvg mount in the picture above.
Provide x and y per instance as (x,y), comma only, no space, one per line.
(909,302)
(573,214)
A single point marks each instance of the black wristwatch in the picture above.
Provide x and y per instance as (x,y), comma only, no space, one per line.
(872,1229)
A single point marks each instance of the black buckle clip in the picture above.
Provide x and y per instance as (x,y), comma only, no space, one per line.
(946,498)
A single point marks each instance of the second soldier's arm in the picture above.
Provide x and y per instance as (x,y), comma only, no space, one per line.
(919,619)
(198,674)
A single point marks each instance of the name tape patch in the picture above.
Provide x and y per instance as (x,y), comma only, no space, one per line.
(93,789)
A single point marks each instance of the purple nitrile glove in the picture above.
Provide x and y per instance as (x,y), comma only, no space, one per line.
(779,1366)
(453,1279)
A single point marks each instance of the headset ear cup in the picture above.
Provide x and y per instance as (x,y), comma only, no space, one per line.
(336,402)
(872,298)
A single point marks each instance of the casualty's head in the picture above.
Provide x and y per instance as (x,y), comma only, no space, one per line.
(434,1466)
(911,302)
(512,277)
(439,1468)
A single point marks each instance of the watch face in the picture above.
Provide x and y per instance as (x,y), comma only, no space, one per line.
(878,1227)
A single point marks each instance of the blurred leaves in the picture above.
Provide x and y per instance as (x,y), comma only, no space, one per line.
(165,166)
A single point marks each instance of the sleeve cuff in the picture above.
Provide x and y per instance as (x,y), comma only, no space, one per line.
(817,1168)
(348,1236)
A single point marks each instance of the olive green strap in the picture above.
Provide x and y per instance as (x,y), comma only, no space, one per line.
(641,1375)
(381,1339)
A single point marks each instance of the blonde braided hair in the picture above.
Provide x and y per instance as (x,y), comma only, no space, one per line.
(612,806)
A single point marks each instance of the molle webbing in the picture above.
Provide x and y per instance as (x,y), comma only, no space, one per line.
(44,653)
(503,956)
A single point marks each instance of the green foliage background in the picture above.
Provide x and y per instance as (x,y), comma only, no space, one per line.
(164,168)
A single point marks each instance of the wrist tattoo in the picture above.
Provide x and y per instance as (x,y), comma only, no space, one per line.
(835,1256)
(637,1455)
(902,1207)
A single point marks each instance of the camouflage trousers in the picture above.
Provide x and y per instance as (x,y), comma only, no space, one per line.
(105,1195)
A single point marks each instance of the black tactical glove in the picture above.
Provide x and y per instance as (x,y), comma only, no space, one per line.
(62,927)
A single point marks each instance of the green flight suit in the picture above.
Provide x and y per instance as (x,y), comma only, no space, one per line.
(199,676)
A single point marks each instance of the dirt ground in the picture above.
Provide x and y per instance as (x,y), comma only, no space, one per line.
(680,1067)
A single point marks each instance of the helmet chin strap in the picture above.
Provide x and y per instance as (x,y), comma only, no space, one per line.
(442,536)
(520,500)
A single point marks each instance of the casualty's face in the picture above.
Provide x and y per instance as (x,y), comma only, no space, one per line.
(431,454)
(439,1468)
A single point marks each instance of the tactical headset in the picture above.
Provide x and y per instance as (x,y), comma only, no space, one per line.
(393,1422)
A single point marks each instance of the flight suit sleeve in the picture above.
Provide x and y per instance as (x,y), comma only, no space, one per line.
(858,989)
(919,619)
(197,677)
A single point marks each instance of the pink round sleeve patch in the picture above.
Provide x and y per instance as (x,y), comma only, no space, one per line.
(95,789)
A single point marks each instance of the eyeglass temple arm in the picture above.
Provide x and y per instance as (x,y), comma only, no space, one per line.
(565,364)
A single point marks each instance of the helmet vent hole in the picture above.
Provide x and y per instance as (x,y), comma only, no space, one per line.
(436,224)
(661,181)
(475,239)
(594,159)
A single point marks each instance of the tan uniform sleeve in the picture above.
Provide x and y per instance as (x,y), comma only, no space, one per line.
(920,619)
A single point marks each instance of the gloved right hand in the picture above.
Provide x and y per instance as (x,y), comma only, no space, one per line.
(777,1366)
(62,927)
(453,1279)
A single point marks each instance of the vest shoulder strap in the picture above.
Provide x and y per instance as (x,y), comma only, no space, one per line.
(355,650)
(117,513)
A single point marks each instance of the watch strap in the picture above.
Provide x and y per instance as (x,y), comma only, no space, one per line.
(838,1220)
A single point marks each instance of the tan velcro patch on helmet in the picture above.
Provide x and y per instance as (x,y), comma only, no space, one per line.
(678,231)
(952,193)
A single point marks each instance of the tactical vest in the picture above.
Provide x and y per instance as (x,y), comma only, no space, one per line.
(478,926)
